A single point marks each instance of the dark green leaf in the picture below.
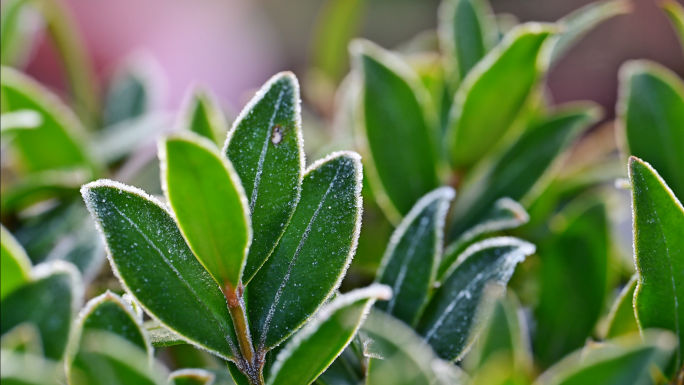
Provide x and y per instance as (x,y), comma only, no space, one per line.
(493,95)
(265,146)
(412,256)
(192,377)
(205,117)
(345,370)
(209,204)
(316,346)
(156,266)
(56,143)
(573,276)
(312,256)
(451,322)
(49,301)
(504,214)
(651,110)
(467,32)
(397,130)
(128,96)
(658,219)
(621,319)
(577,24)
(15,265)
(675,12)
(523,168)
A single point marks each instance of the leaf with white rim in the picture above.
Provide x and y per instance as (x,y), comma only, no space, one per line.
(204,116)
(266,148)
(311,258)
(409,265)
(192,377)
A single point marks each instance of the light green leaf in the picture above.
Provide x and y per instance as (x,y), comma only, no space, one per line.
(651,111)
(205,117)
(156,266)
(128,95)
(49,301)
(675,12)
(15,265)
(451,322)
(192,377)
(397,130)
(311,258)
(577,24)
(524,168)
(209,204)
(316,346)
(18,25)
(19,120)
(625,360)
(265,146)
(43,185)
(621,319)
(574,264)
(161,336)
(501,82)
(57,142)
(467,32)
(504,214)
(658,219)
(412,256)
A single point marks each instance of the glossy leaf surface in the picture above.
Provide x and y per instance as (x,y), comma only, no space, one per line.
(265,146)
(317,345)
(518,171)
(449,324)
(658,219)
(396,129)
(410,261)
(15,265)
(651,110)
(209,204)
(156,266)
(503,80)
(621,319)
(312,256)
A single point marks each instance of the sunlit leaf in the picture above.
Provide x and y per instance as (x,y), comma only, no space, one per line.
(621,319)
(15,264)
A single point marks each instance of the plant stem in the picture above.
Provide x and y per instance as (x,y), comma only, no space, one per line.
(252,363)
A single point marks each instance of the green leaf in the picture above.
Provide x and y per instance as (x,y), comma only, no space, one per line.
(43,185)
(265,146)
(316,346)
(412,256)
(396,129)
(56,143)
(19,120)
(205,117)
(651,111)
(311,258)
(658,219)
(156,266)
(675,12)
(18,24)
(128,95)
(503,81)
(345,370)
(467,32)
(209,204)
(15,265)
(49,301)
(524,168)
(577,24)
(115,142)
(29,369)
(621,319)
(451,323)
(504,214)
(192,377)
(574,264)
(160,336)
(626,360)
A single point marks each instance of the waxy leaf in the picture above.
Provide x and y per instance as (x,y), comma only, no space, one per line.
(504,214)
(451,323)
(316,346)
(265,146)
(412,256)
(192,377)
(621,319)
(209,204)
(658,219)
(574,264)
(56,142)
(15,265)
(467,31)
(675,12)
(522,167)
(503,81)
(651,110)
(312,256)
(397,130)
(205,118)
(157,268)
(49,302)
(626,360)
(577,24)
